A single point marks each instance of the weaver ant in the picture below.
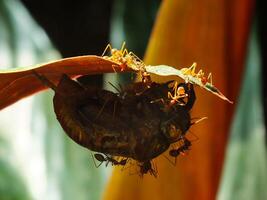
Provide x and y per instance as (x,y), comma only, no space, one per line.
(127,59)
(109,159)
(200,75)
(179,93)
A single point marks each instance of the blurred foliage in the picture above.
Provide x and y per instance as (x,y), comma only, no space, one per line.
(39,161)
(132,22)
(245,168)
(12,185)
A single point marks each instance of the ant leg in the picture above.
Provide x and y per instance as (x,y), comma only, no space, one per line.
(107,47)
(196,137)
(124,52)
(113,68)
(44,80)
(173,163)
(170,96)
(210,78)
(117,89)
(174,88)
(114,109)
(154,169)
(190,70)
(123,46)
(158,100)
(193,68)
(135,57)
(101,110)
(200,74)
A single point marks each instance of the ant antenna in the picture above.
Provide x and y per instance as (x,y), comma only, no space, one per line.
(44,80)
(116,88)
(201,119)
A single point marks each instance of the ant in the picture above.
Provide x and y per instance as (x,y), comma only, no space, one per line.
(146,167)
(183,95)
(117,55)
(127,59)
(179,93)
(182,149)
(108,159)
(200,75)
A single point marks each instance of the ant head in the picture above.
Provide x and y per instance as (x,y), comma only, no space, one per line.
(99,157)
(181,91)
(187,143)
(174,152)
(173,133)
(176,126)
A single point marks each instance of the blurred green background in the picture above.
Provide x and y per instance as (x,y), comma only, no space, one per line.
(38,160)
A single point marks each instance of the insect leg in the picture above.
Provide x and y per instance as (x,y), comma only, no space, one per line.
(210,78)
(123,47)
(44,80)
(117,89)
(101,110)
(114,109)
(135,57)
(158,100)
(192,69)
(173,163)
(107,47)
(170,96)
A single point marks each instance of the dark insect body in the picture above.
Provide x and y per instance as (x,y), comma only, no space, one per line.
(109,159)
(186,144)
(146,167)
(130,123)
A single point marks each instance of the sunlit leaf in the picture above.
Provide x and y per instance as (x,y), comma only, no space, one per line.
(164,70)
(19,83)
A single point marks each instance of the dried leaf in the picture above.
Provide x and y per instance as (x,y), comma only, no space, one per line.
(19,83)
(164,70)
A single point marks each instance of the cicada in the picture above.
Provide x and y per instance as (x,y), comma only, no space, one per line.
(138,122)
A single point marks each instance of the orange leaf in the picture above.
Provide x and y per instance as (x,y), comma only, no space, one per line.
(19,83)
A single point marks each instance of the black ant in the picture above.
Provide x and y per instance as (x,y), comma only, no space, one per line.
(146,167)
(109,159)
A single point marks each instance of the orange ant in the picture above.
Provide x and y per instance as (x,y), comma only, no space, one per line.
(117,55)
(183,95)
(179,93)
(127,59)
(200,75)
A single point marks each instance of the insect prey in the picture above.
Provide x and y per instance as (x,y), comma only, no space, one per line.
(124,124)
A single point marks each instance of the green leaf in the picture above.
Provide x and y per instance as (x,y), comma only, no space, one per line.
(164,70)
